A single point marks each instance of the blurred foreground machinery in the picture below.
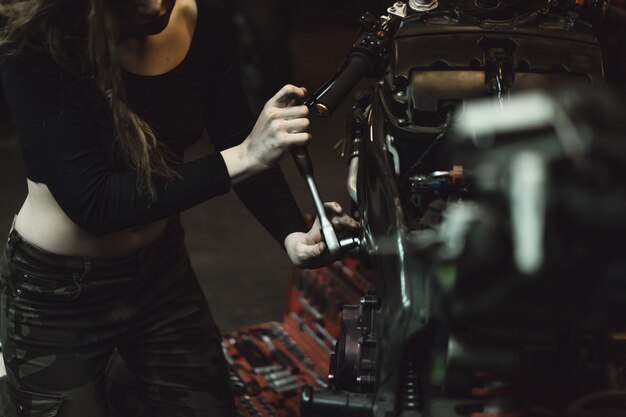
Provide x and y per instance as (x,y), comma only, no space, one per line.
(514,303)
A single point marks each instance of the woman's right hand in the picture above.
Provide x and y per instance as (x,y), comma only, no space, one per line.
(282,124)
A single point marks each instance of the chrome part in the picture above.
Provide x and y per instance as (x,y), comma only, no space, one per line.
(352,176)
(398,9)
(423,5)
(326,227)
(395,156)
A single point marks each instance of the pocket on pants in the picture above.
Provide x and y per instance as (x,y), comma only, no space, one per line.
(33,404)
(30,285)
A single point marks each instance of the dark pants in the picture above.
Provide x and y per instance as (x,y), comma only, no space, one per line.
(64,318)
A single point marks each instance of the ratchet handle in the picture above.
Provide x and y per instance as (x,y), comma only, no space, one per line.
(305,166)
(303,160)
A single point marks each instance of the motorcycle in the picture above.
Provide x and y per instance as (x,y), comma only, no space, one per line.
(494,230)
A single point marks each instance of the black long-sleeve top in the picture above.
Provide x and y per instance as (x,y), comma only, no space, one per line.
(66,133)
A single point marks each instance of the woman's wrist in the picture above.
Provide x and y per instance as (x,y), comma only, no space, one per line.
(239,164)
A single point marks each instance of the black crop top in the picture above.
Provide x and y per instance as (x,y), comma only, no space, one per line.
(66,134)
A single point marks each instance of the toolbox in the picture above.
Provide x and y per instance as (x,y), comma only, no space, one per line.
(270,363)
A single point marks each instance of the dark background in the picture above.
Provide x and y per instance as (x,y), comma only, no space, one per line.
(243,271)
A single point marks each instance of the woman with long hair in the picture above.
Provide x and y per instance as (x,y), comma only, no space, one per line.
(106,96)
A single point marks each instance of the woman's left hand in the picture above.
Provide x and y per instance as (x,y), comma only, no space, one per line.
(308,250)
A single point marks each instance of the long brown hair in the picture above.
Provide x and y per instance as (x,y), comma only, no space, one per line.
(82,36)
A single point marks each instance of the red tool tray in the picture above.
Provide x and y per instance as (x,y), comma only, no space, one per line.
(270,363)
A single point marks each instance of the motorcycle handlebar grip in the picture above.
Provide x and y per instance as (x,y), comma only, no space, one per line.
(358,65)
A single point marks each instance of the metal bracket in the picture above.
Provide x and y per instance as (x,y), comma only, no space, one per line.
(398,9)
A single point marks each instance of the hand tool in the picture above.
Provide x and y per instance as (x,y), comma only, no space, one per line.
(262,370)
(309,332)
(278,355)
(322,330)
(273,376)
(290,380)
(277,330)
(287,388)
(305,167)
(310,309)
(252,353)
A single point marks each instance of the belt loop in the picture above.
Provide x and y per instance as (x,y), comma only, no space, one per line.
(11,240)
(88,268)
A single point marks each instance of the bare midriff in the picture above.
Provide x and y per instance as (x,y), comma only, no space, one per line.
(44,224)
